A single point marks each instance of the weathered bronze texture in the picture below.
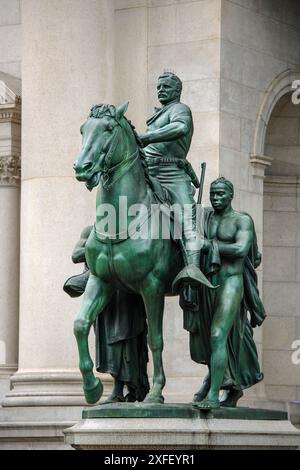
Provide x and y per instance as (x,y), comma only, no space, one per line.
(221,334)
(121,334)
(129,276)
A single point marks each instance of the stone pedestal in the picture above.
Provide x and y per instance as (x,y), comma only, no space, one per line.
(36,427)
(181,427)
(294,413)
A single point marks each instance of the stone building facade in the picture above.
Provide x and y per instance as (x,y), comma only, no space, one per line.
(238,60)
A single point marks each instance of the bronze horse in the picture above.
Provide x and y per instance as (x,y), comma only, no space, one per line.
(111,159)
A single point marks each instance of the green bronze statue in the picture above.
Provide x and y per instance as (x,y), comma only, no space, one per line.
(166,144)
(221,334)
(121,335)
(129,274)
(112,160)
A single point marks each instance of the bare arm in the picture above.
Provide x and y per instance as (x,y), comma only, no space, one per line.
(244,238)
(78,255)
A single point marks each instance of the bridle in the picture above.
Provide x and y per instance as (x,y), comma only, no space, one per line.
(111,174)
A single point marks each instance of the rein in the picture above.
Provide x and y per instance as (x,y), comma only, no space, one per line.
(120,237)
(120,169)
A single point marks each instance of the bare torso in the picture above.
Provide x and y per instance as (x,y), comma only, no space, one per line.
(225,229)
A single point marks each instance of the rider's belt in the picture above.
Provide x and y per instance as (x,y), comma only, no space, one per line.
(180,162)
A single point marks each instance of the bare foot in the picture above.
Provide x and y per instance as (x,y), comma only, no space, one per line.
(202,392)
(207,404)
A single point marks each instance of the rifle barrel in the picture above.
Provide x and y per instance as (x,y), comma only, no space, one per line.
(200,192)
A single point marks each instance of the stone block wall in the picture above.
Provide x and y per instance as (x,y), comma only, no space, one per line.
(184,37)
(258,42)
(181,36)
(260,39)
(281,251)
(191,48)
(283,138)
(281,286)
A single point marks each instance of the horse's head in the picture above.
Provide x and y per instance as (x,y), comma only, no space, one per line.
(102,136)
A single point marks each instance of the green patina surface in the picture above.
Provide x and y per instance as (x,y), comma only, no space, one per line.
(217,284)
(187,411)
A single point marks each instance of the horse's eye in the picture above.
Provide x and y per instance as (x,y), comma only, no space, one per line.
(110,128)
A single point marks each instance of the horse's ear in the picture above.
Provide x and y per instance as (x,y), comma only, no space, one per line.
(122,110)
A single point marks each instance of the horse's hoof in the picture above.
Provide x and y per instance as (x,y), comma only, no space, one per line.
(154,399)
(93,394)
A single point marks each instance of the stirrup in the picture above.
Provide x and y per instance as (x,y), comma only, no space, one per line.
(192,275)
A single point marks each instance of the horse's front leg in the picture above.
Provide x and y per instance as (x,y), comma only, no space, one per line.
(153,296)
(96,297)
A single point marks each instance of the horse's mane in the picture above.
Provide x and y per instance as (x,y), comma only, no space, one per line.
(100,110)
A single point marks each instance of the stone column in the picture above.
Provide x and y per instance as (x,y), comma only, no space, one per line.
(10,151)
(67,65)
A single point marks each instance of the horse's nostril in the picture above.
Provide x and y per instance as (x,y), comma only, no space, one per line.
(87,166)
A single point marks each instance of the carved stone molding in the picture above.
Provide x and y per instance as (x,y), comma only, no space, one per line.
(10,103)
(259,164)
(11,114)
(283,185)
(280,86)
(10,170)
(49,388)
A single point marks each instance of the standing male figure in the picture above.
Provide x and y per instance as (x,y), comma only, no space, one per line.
(167,142)
(220,333)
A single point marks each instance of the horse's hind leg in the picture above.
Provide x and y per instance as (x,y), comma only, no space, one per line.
(96,297)
(153,296)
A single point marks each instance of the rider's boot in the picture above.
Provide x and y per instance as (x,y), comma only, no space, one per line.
(190,277)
